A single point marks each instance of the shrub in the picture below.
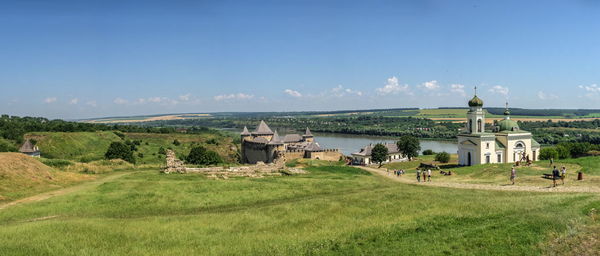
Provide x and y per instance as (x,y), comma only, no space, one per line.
(162,151)
(56,163)
(428,152)
(548,153)
(176,142)
(442,157)
(202,156)
(118,150)
(119,134)
(563,152)
(5,146)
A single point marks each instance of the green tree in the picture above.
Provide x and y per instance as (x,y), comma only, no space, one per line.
(548,153)
(428,152)
(442,157)
(379,154)
(118,150)
(409,146)
(563,151)
(202,156)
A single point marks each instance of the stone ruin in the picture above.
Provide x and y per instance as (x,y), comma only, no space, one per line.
(258,170)
(173,164)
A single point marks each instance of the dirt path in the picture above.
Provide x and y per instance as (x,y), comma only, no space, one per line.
(50,194)
(408,179)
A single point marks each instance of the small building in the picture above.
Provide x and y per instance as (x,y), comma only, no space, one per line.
(29,149)
(363,157)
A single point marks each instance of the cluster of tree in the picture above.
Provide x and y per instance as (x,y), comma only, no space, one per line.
(567,150)
(544,112)
(120,150)
(202,156)
(442,157)
(409,146)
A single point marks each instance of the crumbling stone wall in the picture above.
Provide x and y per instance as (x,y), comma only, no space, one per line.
(173,164)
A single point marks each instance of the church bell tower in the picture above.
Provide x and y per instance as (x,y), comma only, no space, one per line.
(476,115)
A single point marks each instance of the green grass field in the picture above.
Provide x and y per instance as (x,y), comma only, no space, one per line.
(91,146)
(334,210)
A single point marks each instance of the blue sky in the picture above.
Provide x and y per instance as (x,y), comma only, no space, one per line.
(77,59)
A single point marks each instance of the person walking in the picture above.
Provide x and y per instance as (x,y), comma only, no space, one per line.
(418,175)
(424,176)
(555,176)
(551,161)
(429,175)
(513,175)
(563,175)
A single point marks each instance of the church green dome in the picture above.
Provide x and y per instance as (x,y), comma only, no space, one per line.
(508,125)
(476,102)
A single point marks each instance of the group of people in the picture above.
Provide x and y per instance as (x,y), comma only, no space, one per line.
(556,174)
(426,175)
(399,172)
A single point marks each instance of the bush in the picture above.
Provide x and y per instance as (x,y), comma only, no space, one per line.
(202,156)
(162,151)
(176,142)
(119,134)
(563,152)
(56,163)
(548,153)
(118,150)
(5,146)
(428,152)
(442,157)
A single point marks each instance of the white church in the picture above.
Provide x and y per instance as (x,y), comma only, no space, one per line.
(506,143)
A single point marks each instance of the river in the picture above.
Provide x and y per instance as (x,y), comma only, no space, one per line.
(348,144)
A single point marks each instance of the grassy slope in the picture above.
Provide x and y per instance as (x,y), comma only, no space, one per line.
(21,176)
(332,210)
(74,145)
(499,173)
(92,145)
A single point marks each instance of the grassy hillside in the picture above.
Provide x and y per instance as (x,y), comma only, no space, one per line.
(21,175)
(91,146)
(80,146)
(334,210)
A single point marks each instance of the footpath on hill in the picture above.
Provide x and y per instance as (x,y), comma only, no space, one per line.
(68,190)
(408,179)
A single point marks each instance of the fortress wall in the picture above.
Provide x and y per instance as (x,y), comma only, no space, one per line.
(328,155)
(293,154)
(255,152)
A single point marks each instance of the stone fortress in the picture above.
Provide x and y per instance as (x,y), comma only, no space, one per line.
(264,145)
(506,143)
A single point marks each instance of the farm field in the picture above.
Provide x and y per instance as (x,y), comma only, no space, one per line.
(333,210)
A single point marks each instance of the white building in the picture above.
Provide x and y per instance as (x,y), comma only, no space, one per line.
(364,156)
(506,143)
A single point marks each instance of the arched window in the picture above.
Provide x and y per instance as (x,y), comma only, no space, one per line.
(470,128)
(479,128)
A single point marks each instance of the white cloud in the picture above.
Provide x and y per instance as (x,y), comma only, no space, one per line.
(339,91)
(120,101)
(50,100)
(593,88)
(239,96)
(74,101)
(458,88)
(293,93)
(392,87)
(92,103)
(185,97)
(500,90)
(544,96)
(430,86)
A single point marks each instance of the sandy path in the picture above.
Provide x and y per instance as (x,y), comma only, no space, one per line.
(50,194)
(409,179)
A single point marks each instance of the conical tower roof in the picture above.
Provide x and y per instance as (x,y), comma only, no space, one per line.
(263,129)
(27,147)
(307,133)
(275,139)
(313,146)
(245,132)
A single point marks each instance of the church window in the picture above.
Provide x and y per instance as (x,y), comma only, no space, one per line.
(470,126)
(499,158)
(487,159)
(479,129)
(487,145)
